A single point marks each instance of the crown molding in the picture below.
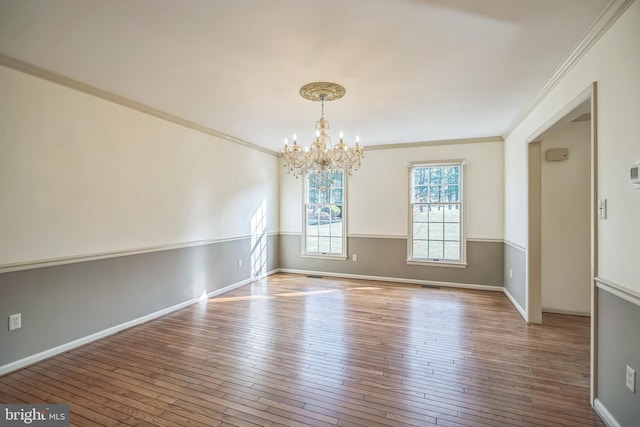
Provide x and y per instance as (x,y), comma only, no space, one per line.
(434,143)
(33,70)
(606,19)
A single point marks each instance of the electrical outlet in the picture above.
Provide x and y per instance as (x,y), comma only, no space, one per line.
(631,379)
(15,321)
(354,257)
(240,263)
(511,273)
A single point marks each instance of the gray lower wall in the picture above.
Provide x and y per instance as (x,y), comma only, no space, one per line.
(515,273)
(63,303)
(386,257)
(618,346)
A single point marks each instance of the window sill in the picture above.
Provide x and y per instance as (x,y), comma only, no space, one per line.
(427,263)
(321,256)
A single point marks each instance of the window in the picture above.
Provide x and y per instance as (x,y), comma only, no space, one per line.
(324,212)
(436,232)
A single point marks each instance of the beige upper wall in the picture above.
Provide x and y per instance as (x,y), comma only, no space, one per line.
(614,62)
(80,175)
(566,221)
(379,193)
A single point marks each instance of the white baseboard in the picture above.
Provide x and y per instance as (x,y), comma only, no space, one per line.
(604,413)
(19,364)
(272,272)
(229,288)
(515,303)
(394,279)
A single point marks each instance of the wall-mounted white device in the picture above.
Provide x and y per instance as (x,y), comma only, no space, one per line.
(634,174)
(602,209)
(557,154)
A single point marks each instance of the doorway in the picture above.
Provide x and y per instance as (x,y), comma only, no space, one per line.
(539,239)
(566,220)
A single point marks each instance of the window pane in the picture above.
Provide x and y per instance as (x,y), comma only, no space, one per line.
(337,180)
(336,194)
(312,215)
(311,231)
(452,213)
(313,196)
(436,213)
(420,213)
(436,231)
(436,249)
(435,175)
(451,194)
(420,249)
(420,176)
(324,229)
(453,175)
(336,244)
(420,194)
(452,250)
(421,231)
(324,244)
(312,244)
(435,193)
(324,197)
(452,231)
(336,212)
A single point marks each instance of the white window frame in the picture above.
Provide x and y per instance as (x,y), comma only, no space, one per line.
(462,263)
(305,198)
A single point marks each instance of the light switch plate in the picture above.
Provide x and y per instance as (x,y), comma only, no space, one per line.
(602,209)
(631,379)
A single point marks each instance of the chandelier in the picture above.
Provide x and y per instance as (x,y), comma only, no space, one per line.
(321,160)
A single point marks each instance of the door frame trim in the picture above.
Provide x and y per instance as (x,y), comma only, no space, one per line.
(533,305)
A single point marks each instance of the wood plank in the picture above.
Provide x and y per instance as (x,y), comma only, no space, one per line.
(291,350)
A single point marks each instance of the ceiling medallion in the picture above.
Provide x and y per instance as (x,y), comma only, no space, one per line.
(321,160)
(322,91)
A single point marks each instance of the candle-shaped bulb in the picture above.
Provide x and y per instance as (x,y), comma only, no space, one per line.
(341,135)
(295,139)
(286,142)
(357,139)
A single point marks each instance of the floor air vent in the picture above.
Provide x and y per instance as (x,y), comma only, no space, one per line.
(430,286)
(315,277)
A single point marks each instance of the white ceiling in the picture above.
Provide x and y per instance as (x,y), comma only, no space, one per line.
(414,70)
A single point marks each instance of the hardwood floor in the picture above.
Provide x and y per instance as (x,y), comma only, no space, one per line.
(293,350)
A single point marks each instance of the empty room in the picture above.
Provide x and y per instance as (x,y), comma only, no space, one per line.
(320,213)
